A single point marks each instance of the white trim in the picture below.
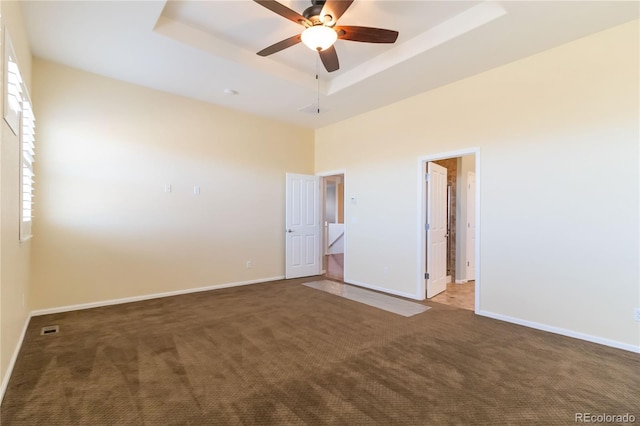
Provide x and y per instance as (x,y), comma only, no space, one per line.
(478,227)
(422,214)
(421,289)
(148,296)
(461,281)
(562,331)
(332,173)
(450,154)
(382,289)
(14,358)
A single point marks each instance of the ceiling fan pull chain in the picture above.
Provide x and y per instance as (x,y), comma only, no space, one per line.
(318,83)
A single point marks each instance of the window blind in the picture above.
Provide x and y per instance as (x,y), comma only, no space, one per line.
(19,102)
(28,154)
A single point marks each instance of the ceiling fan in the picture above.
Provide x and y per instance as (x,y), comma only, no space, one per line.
(321,32)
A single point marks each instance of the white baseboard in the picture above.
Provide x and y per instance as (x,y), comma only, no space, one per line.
(14,357)
(148,296)
(5,380)
(382,289)
(530,324)
(449,279)
(461,281)
(562,331)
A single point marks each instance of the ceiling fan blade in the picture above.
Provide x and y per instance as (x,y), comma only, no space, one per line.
(284,11)
(281,45)
(329,59)
(366,34)
(335,8)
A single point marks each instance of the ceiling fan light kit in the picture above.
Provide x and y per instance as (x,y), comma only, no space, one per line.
(319,37)
(319,34)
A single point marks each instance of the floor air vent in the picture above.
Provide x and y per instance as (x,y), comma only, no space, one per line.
(50,329)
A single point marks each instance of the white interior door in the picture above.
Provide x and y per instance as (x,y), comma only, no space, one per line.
(302,242)
(436,229)
(471,226)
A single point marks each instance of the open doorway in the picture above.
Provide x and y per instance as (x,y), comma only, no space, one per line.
(449,232)
(333,226)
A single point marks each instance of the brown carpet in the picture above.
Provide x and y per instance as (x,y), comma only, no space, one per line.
(281,353)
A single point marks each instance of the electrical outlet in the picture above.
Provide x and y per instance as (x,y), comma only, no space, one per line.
(385,270)
(637,314)
(249,264)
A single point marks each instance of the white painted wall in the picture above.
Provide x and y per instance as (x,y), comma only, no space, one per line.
(14,256)
(558,139)
(105,228)
(558,134)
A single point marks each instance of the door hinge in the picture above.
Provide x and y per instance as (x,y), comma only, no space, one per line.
(426,226)
(467,263)
(426,176)
(426,275)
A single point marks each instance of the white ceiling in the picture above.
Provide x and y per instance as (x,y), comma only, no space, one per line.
(200,48)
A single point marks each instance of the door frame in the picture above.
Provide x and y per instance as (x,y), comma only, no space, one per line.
(422,218)
(323,175)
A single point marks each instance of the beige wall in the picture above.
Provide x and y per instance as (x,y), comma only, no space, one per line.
(14,256)
(105,228)
(558,139)
(562,253)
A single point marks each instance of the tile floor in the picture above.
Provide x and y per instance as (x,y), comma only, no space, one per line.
(368,297)
(334,266)
(458,295)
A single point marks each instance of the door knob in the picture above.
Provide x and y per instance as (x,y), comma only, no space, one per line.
(289,231)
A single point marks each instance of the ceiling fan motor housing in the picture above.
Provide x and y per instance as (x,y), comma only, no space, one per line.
(312,13)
